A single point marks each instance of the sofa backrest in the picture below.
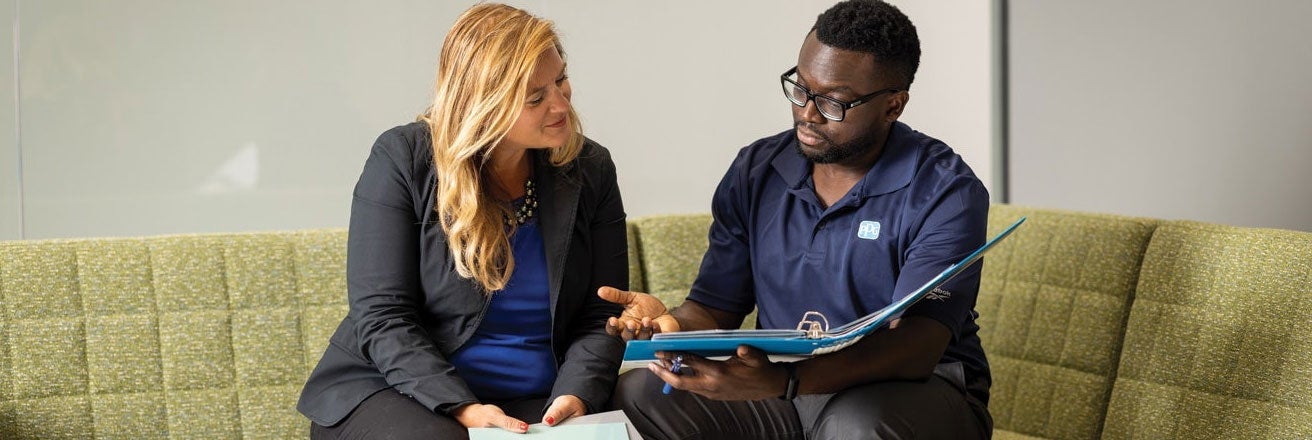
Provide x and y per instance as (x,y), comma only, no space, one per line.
(1053,302)
(669,250)
(1219,341)
(665,254)
(196,336)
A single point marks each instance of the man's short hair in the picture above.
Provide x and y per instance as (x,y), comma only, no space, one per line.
(876,28)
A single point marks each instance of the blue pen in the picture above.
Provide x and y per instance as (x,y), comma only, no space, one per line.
(677,365)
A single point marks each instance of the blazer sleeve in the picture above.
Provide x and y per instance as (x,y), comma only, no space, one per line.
(592,360)
(383,280)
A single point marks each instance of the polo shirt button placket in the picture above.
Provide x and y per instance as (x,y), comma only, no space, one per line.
(818,241)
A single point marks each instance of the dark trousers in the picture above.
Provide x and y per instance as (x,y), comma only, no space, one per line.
(939,408)
(390,415)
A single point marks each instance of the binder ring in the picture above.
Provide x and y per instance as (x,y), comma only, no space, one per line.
(813,323)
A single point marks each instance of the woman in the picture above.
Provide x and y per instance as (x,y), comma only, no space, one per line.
(478,236)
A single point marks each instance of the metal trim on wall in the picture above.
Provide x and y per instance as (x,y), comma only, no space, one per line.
(1001,92)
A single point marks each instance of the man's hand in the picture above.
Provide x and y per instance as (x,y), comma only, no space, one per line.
(562,408)
(748,375)
(643,315)
(477,415)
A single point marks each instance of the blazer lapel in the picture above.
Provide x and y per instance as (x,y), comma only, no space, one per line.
(557,205)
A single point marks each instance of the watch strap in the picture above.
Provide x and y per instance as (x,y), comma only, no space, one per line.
(790,391)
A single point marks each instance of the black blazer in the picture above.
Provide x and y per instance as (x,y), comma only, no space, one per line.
(409,308)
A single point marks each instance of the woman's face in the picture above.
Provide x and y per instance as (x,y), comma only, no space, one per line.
(544,122)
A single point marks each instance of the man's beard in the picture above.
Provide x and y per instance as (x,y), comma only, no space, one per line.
(838,152)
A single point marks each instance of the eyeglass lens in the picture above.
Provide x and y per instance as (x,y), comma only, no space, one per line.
(827,107)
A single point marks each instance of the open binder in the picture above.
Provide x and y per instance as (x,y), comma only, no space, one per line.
(811,337)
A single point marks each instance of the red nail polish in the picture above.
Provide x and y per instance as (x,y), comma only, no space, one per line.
(551,420)
(523,427)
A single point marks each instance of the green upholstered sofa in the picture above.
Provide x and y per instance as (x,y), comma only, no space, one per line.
(1096,326)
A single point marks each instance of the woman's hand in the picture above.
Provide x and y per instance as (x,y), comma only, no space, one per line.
(643,315)
(478,415)
(564,407)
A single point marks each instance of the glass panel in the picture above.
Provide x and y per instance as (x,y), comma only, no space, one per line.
(146,117)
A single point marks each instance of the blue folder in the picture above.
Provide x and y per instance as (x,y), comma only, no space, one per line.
(811,338)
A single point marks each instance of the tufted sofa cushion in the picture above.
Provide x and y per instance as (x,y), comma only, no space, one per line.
(671,249)
(1053,301)
(1217,344)
(194,336)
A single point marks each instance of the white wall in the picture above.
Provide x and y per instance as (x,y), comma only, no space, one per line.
(953,96)
(671,152)
(142,117)
(1173,109)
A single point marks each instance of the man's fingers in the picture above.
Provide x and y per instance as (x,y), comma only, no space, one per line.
(613,326)
(666,324)
(616,296)
(752,357)
(674,380)
(689,360)
(626,329)
(645,330)
(630,331)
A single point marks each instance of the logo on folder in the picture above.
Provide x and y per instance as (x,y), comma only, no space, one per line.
(868,230)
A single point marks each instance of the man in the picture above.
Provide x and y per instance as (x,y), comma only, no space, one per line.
(843,214)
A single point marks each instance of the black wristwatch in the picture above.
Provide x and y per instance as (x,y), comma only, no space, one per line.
(790,392)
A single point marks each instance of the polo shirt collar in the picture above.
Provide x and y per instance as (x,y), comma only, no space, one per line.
(891,172)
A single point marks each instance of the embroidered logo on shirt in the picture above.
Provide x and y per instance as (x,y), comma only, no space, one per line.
(938,294)
(868,230)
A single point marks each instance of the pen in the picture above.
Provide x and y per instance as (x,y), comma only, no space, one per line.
(677,365)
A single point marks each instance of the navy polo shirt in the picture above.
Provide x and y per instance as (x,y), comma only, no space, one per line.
(774,246)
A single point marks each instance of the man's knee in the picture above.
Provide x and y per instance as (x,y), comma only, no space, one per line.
(845,417)
(896,410)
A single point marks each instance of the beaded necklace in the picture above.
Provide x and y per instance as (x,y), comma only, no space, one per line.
(527,208)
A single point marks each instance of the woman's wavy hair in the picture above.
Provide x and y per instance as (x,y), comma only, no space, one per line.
(482,85)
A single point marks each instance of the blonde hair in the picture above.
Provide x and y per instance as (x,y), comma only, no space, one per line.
(482,84)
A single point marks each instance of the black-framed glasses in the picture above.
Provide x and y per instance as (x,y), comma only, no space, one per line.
(832,109)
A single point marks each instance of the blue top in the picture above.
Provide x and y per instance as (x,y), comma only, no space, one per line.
(918,210)
(509,356)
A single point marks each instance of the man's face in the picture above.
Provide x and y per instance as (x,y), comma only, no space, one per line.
(843,75)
